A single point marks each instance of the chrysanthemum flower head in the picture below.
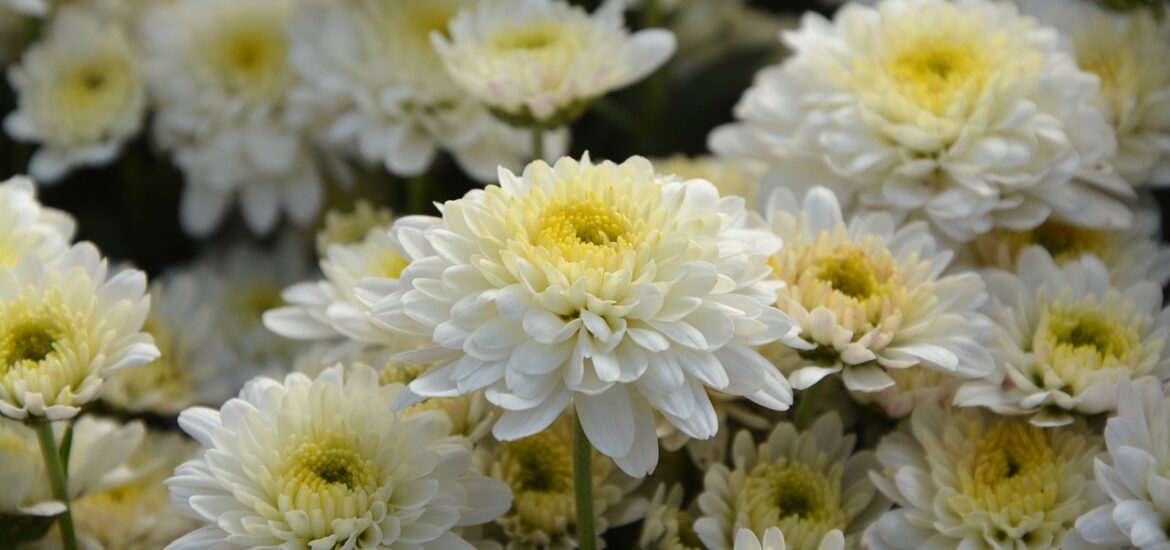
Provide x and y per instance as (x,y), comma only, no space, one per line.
(1134,472)
(1065,337)
(351,226)
(601,284)
(870,297)
(539,471)
(808,484)
(971,479)
(64,326)
(543,61)
(28,229)
(323,463)
(963,113)
(668,526)
(80,94)
(773,539)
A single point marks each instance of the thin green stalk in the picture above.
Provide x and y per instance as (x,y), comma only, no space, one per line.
(418,191)
(538,142)
(803,415)
(57,481)
(655,101)
(583,486)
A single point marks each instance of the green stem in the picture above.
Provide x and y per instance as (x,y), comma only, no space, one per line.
(418,194)
(57,482)
(583,486)
(538,142)
(656,83)
(805,408)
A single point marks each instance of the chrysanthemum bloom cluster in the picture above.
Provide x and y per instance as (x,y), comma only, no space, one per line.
(323,463)
(962,113)
(1065,337)
(566,282)
(542,62)
(870,297)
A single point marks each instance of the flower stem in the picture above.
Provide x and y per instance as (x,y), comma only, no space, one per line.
(583,486)
(803,415)
(56,471)
(538,142)
(417,189)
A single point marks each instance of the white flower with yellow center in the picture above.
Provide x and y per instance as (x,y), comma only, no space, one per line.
(667,525)
(543,61)
(970,479)
(1130,53)
(324,464)
(28,229)
(539,471)
(219,72)
(870,297)
(1134,473)
(605,285)
(370,79)
(79,94)
(773,539)
(1065,337)
(1130,255)
(98,455)
(136,514)
(64,327)
(351,226)
(807,484)
(963,113)
(731,177)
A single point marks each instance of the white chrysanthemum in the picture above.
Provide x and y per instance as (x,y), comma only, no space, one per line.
(970,479)
(539,471)
(731,177)
(64,326)
(189,370)
(219,72)
(1130,53)
(1130,255)
(807,484)
(544,61)
(773,539)
(28,229)
(1134,473)
(1065,337)
(912,387)
(370,78)
(97,460)
(714,32)
(237,285)
(324,463)
(79,94)
(352,226)
(667,525)
(869,297)
(604,284)
(136,514)
(963,113)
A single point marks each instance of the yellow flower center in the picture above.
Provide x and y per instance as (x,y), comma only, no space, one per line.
(28,336)
(804,500)
(588,231)
(849,271)
(528,38)
(390,264)
(1063,241)
(539,470)
(248,55)
(89,95)
(1078,346)
(934,70)
(326,468)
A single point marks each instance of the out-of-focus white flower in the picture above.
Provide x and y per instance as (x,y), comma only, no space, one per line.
(97,460)
(541,62)
(136,515)
(604,284)
(710,32)
(808,484)
(323,463)
(1134,472)
(970,479)
(731,177)
(219,72)
(870,297)
(370,79)
(79,94)
(64,327)
(539,470)
(1130,53)
(1130,255)
(667,525)
(1065,337)
(351,227)
(773,539)
(28,229)
(962,113)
